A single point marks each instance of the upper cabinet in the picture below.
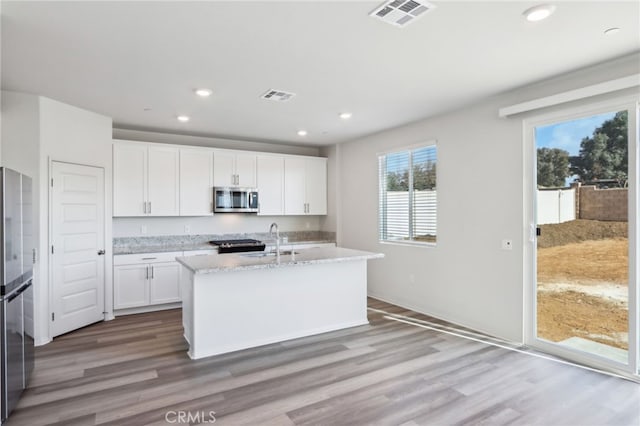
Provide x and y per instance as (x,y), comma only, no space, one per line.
(196,182)
(270,176)
(234,169)
(145,180)
(154,179)
(305,186)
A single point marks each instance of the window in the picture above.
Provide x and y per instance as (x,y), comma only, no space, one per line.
(407,195)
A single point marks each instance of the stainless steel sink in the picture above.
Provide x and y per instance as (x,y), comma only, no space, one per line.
(269,253)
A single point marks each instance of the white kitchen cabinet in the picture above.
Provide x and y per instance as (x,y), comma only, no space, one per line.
(270,179)
(163,181)
(231,168)
(164,283)
(146,279)
(129,179)
(305,185)
(130,286)
(145,180)
(196,182)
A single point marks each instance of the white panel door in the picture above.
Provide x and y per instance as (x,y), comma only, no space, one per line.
(77,252)
(163,181)
(270,179)
(129,179)
(223,168)
(316,186)
(196,182)
(130,286)
(294,186)
(164,283)
(246,170)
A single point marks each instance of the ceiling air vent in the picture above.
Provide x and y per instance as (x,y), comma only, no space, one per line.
(277,95)
(401,12)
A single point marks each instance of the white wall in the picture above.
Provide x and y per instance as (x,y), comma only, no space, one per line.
(221,223)
(20,151)
(36,131)
(467,278)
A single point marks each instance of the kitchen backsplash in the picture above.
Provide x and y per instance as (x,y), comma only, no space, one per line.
(223,223)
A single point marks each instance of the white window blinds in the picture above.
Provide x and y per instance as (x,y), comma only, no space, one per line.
(407,195)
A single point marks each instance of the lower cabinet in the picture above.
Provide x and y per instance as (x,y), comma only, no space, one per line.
(145,280)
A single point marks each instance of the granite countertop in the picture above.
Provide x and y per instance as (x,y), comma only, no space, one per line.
(162,244)
(251,261)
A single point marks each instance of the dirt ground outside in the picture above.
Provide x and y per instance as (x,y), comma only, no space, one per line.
(583,282)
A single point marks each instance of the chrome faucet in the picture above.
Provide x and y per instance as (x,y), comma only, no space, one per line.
(275,225)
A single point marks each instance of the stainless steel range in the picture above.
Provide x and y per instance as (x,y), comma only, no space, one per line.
(237,246)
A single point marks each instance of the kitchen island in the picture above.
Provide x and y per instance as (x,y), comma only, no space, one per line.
(243,300)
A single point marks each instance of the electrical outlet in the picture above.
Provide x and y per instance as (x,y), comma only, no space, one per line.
(143,229)
(507,244)
(187,229)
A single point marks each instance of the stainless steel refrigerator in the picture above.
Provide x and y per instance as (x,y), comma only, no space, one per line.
(16,289)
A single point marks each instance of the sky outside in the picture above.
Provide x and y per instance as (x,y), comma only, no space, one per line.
(567,135)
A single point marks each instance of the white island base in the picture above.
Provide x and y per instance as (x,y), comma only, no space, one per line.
(229,309)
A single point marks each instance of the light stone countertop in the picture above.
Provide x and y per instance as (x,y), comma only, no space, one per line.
(249,261)
(168,243)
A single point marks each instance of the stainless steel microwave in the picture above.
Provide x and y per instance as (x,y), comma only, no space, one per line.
(235,200)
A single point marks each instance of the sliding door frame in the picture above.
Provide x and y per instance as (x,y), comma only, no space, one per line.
(631,104)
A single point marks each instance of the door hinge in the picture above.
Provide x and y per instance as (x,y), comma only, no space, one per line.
(51,249)
(52,182)
(53,316)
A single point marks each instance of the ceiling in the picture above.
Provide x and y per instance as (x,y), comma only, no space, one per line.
(139,62)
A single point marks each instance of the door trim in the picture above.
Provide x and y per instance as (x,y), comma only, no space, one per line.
(107,313)
(631,103)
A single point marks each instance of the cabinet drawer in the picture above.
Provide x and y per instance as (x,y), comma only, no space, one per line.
(199,252)
(130,259)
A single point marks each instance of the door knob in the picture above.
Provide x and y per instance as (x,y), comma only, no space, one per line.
(100,252)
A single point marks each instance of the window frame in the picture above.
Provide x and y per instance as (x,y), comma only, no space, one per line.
(382,216)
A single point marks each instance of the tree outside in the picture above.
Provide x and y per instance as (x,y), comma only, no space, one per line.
(602,156)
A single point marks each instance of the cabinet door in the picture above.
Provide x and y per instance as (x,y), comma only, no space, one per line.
(270,180)
(196,182)
(294,186)
(316,186)
(163,181)
(223,169)
(246,170)
(129,179)
(164,283)
(130,286)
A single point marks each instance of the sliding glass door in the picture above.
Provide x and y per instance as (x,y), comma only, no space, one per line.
(584,289)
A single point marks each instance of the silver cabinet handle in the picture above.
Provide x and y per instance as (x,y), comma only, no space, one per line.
(152,274)
(144,207)
(146,277)
(149,207)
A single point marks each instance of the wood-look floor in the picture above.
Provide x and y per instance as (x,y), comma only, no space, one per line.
(135,371)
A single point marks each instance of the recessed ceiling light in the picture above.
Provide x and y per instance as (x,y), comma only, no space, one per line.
(538,13)
(204,93)
(183,118)
(302,133)
(345,115)
(611,31)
